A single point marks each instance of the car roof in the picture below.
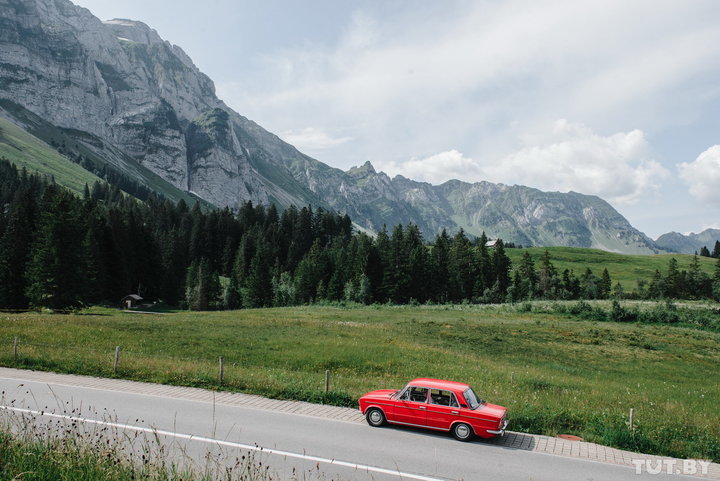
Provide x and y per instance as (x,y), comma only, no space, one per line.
(439,384)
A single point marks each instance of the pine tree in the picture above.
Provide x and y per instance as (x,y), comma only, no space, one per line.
(547,277)
(657,288)
(526,278)
(501,270)
(483,268)
(716,250)
(202,286)
(55,276)
(15,249)
(605,285)
(698,284)
(258,288)
(589,285)
(440,260)
(704,252)
(462,265)
(418,265)
(673,283)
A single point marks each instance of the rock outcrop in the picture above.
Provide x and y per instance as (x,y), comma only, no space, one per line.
(132,94)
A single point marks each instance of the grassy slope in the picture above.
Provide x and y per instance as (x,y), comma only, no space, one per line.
(626,269)
(25,150)
(571,376)
(30,148)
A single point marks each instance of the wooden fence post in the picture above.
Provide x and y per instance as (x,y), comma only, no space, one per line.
(512,377)
(327,380)
(117,359)
(221,369)
(15,345)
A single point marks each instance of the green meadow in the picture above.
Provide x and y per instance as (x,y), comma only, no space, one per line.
(555,372)
(623,268)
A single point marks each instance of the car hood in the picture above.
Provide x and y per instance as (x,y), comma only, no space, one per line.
(491,410)
(380,394)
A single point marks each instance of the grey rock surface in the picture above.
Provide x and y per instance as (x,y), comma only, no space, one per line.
(121,82)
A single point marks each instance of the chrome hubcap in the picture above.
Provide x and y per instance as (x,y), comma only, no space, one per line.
(375,417)
(462,431)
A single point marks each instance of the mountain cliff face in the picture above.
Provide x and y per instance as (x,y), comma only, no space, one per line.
(133,99)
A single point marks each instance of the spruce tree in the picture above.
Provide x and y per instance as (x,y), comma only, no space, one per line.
(440,260)
(547,277)
(15,249)
(501,268)
(258,288)
(526,279)
(55,275)
(605,285)
(462,264)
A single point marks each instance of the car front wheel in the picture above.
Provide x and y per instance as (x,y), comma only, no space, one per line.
(375,417)
(462,432)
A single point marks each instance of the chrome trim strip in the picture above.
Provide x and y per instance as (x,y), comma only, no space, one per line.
(417,425)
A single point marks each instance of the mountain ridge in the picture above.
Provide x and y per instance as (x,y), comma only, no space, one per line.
(688,243)
(142,99)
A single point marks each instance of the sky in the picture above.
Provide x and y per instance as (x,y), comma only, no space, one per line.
(615,98)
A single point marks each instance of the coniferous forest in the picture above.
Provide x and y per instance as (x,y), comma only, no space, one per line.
(60,251)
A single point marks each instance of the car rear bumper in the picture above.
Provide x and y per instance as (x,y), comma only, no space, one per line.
(500,431)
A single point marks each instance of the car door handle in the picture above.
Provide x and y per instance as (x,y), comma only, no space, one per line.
(454,412)
(422,407)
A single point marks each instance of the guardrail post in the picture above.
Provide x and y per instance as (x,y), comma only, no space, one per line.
(512,377)
(221,369)
(15,345)
(632,415)
(327,380)
(117,359)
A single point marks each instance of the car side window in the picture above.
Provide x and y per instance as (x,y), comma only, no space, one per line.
(443,398)
(416,394)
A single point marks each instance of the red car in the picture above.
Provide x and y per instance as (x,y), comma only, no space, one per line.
(435,404)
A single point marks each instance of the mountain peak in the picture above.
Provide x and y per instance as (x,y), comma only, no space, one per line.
(362,170)
(133,30)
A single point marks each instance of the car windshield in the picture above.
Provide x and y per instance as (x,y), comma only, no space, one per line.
(472,398)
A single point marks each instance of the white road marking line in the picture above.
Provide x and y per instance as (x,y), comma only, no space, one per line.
(202,439)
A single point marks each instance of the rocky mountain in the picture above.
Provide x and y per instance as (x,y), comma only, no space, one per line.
(119,94)
(690,243)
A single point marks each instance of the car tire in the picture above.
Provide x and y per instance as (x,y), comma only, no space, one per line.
(462,432)
(375,417)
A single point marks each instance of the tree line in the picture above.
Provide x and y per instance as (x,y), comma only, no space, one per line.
(59,250)
(705,252)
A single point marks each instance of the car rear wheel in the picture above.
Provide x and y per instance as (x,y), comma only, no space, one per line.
(462,432)
(375,417)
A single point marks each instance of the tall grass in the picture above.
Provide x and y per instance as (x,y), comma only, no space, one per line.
(575,369)
(37,449)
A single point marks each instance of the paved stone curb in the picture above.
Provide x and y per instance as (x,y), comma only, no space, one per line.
(512,440)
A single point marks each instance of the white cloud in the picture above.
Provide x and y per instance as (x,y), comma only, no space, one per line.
(408,83)
(435,169)
(616,167)
(703,175)
(312,139)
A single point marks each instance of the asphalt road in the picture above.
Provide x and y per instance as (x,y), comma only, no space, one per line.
(197,431)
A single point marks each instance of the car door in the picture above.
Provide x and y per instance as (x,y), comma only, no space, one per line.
(442,409)
(411,407)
